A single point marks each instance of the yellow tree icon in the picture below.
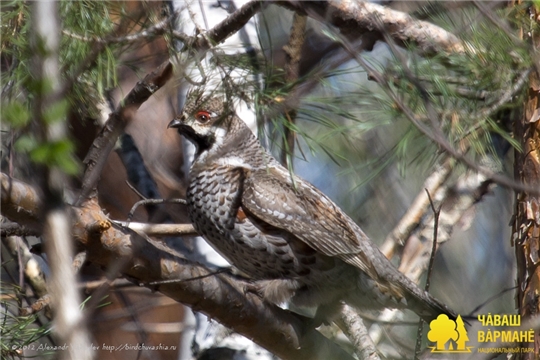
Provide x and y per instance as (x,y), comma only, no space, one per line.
(463,337)
(442,330)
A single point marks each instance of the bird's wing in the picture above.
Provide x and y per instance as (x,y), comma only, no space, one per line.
(313,218)
(309,215)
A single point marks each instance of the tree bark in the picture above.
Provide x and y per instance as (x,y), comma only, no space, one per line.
(526,224)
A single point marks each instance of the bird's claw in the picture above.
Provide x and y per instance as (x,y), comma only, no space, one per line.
(253,288)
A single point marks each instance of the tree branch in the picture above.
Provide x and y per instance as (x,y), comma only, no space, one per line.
(417,210)
(11,228)
(357,17)
(293,51)
(32,270)
(20,203)
(220,296)
(353,326)
(159,230)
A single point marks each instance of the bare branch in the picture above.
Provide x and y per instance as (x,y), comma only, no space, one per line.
(353,326)
(79,261)
(159,230)
(416,211)
(118,120)
(153,202)
(32,270)
(293,51)
(37,306)
(227,27)
(436,215)
(20,203)
(456,200)
(45,299)
(115,284)
(11,228)
(357,17)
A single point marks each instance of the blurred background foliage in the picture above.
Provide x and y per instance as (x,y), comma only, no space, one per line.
(352,140)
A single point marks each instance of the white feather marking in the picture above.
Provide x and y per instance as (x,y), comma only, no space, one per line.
(234,161)
(219,134)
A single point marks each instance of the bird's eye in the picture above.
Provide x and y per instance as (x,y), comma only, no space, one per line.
(203,116)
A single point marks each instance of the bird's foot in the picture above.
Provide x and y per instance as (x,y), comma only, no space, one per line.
(254,288)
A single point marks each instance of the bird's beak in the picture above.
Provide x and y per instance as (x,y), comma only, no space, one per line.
(175,123)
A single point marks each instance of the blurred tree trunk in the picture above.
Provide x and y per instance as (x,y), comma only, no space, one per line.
(526,224)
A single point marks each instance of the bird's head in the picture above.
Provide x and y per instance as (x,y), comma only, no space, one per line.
(204,120)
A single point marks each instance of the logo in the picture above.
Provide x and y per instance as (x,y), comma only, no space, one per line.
(449,336)
(503,331)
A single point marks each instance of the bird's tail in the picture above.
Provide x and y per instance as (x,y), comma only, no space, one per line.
(423,303)
(429,308)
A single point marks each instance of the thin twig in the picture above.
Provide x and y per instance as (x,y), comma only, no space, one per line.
(78,261)
(418,208)
(137,172)
(506,95)
(437,213)
(378,320)
(159,230)
(37,306)
(114,284)
(490,299)
(488,12)
(155,30)
(502,99)
(152,202)
(178,281)
(134,316)
(134,189)
(435,134)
